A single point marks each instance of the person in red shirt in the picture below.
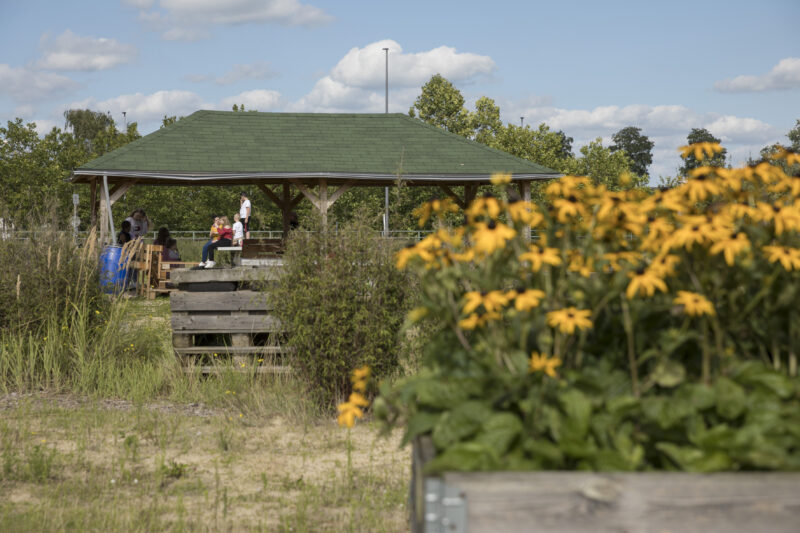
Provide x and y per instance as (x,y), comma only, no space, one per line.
(225,239)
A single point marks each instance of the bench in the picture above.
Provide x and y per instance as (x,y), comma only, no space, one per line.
(234,250)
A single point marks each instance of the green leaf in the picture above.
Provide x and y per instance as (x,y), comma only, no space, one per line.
(757,374)
(730,398)
(441,394)
(700,396)
(694,459)
(499,431)
(419,424)
(544,450)
(668,373)
(460,423)
(464,457)
(577,409)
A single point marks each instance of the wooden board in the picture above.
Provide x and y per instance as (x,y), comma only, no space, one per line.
(185,323)
(578,502)
(261,369)
(219,301)
(261,350)
(235,274)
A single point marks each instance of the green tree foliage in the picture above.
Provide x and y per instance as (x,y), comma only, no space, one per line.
(699,135)
(768,152)
(485,121)
(442,105)
(541,145)
(602,165)
(86,124)
(638,147)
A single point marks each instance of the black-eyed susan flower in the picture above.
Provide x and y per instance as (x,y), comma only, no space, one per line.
(646,282)
(569,319)
(538,256)
(569,208)
(492,301)
(485,206)
(694,304)
(664,264)
(580,264)
(405,255)
(788,257)
(436,206)
(699,186)
(348,414)
(701,150)
(543,363)
(475,320)
(500,178)
(731,247)
(490,237)
(524,213)
(785,217)
(526,299)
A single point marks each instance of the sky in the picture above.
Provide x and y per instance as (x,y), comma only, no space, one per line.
(587,68)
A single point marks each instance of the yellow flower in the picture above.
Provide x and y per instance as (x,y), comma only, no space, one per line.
(491,237)
(567,319)
(492,301)
(435,206)
(475,320)
(568,208)
(348,414)
(405,255)
(701,150)
(417,314)
(788,257)
(699,186)
(525,213)
(526,299)
(731,247)
(487,205)
(694,304)
(500,178)
(581,265)
(537,256)
(785,217)
(360,373)
(540,362)
(357,400)
(646,282)
(664,265)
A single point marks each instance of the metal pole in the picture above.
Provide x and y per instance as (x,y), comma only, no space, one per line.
(386,189)
(108,204)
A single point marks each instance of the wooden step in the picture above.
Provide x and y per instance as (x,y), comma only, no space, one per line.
(219,301)
(236,274)
(261,369)
(231,350)
(182,323)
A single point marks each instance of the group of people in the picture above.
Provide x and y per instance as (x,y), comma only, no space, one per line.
(222,233)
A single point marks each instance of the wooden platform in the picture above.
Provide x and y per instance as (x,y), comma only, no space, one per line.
(213,329)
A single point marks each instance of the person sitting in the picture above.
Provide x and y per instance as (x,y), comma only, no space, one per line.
(124,235)
(225,236)
(170,252)
(213,235)
(238,230)
(162,237)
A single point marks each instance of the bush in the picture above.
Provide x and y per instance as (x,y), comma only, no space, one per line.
(641,330)
(342,303)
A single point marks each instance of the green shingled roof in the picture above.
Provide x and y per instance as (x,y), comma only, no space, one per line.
(223,143)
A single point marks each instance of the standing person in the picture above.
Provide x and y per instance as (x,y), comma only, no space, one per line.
(225,236)
(238,230)
(244,213)
(213,235)
(139,223)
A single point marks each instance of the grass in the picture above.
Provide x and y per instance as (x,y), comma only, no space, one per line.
(116,438)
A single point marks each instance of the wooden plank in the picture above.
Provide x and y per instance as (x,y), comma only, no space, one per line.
(579,502)
(260,369)
(182,323)
(219,301)
(236,274)
(230,350)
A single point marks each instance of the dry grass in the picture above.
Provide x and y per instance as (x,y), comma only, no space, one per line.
(73,465)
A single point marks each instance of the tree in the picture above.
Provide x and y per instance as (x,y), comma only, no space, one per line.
(602,165)
(442,105)
(698,135)
(566,145)
(485,121)
(86,124)
(636,146)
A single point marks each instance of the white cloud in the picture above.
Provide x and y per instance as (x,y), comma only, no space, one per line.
(147,108)
(356,82)
(258,100)
(366,68)
(23,84)
(666,125)
(69,51)
(192,19)
(253,71)
(784,75)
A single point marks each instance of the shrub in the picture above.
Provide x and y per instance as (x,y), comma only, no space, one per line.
(342,303)
(640,330)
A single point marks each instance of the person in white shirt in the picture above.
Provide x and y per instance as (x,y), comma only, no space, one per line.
(244,213)
(139,223)
(238,230)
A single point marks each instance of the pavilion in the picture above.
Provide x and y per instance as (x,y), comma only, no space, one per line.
(321,155)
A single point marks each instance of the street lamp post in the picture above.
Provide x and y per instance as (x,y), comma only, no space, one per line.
(386,189)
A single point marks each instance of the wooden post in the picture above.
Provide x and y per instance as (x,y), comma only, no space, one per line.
(286,210)
(525,191)
(323,201)
(93,202)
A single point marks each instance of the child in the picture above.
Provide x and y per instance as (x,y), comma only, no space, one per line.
(213,237)
(124,235)
(238,230)
(170,252)
(225,234)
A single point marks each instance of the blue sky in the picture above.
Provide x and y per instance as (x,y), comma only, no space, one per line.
(588,68)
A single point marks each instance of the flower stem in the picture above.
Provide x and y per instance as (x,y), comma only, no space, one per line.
(706,351)
(628,323)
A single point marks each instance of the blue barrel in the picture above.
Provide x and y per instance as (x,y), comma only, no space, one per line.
(112,274)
